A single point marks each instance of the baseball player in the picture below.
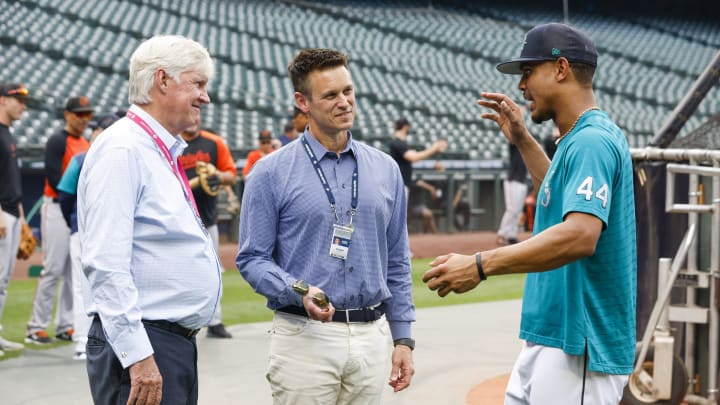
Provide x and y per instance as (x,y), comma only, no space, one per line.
(60,148)
(13,98)
(515,190)
(578,315)
(207,148)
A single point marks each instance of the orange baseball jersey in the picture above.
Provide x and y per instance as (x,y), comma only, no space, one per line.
(59,149)
(208,148)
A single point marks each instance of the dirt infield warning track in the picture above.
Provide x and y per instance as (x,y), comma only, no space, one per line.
(421,245)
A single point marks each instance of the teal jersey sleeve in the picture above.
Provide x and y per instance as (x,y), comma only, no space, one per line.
(69,181)
(591,164)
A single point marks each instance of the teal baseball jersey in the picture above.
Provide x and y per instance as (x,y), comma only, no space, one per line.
(588,304)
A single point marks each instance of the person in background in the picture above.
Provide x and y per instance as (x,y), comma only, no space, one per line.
(13,103)
(289,133)
(300,119)
(59,150)
(336,303)
(515,190)
(578,314)
(265,146)
(405,157)
(154,276)
(421,197)
(67,191)
(206,148)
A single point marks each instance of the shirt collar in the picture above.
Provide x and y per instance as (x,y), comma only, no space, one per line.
(174,143)
(319,150)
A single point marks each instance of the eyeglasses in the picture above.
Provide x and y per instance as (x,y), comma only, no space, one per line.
(84,114)
(22,91)
(265,141)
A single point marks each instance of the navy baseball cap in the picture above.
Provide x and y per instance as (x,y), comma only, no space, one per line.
(104,121)
(549,42)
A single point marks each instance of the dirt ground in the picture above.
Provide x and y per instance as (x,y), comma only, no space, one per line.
(421,245)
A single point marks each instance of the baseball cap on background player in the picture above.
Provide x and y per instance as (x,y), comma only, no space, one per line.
(16,90)
(103,121)
(80,104)
(549,42)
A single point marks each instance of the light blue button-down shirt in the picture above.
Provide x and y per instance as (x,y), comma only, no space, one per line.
(286,228)
(143,250)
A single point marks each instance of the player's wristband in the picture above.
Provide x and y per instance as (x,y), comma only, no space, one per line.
(478,262)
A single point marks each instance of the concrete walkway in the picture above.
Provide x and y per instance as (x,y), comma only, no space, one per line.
(458,347)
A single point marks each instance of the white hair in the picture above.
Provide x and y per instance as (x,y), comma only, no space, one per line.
(173,53)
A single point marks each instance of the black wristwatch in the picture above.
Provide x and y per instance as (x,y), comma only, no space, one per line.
(409,342)
(301,287)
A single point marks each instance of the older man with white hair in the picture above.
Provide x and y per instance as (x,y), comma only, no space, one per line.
(153,273)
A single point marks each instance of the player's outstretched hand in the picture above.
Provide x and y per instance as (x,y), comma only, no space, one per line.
(452,272)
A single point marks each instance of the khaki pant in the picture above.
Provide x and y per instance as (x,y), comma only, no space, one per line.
(328,363)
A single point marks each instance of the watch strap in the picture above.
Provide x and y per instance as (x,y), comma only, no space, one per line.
(409,342)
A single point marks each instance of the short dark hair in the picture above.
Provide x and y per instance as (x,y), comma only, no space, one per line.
(309,60)
(400,123)
(583,72)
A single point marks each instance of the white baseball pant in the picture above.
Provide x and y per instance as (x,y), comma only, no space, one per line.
(515,193)
(56,267)
(8,250)
(546,375)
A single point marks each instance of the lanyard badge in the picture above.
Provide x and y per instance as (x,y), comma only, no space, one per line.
(341,241)
(342,234)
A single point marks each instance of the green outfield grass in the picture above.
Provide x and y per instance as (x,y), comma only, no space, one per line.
(240,304)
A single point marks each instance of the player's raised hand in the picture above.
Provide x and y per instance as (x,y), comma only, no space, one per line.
(508,115)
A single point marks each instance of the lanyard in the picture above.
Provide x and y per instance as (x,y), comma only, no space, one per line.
(326,186)
(174,165)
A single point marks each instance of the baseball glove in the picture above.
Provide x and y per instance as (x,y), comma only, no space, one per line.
(27,243)
(207,178)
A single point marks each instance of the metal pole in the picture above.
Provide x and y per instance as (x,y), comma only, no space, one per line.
(715,273)
(566,18)
(692,259)
(701,155)
(688,104)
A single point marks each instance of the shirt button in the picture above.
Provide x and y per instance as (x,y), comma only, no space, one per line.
(350,269)
(123,355)
(343,186)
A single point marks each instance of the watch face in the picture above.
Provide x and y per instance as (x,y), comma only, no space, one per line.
(301,287)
